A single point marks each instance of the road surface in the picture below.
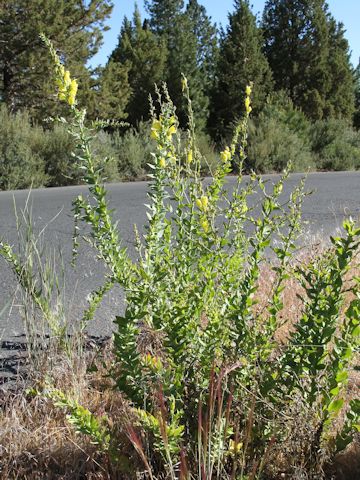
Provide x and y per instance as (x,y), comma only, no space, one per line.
(335,195)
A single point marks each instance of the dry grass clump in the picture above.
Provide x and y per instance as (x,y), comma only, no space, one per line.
(37,441)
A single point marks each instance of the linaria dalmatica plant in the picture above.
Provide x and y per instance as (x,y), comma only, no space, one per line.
(207,380)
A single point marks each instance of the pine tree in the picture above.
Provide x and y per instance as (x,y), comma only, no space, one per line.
(162,14)
(241,62)
(111,98)
(207,42)
(191,42)
(75,27)
(196,45)
(168,22)
(144,53)
(357,97)
(309,56)
(341,93)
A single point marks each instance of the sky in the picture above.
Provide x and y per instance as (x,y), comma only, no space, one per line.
(345,11)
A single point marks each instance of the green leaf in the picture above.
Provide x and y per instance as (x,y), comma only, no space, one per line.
(336,405)
(342,376)
(335,391)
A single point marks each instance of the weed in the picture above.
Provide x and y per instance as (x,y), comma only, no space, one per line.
(210,391)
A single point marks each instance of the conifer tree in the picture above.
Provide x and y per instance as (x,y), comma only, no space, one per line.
(75,27)
(309,56)
(341,93)
(191,42)
(241,62)
(207,42)
(183,60)
(357,97)
(144,54)
(162,14)
(111,98)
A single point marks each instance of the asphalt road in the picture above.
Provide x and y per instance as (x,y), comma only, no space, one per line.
(335,195)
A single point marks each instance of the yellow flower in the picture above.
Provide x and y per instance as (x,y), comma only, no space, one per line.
(155,129)
(67,78)
(234,447)
(248,90)
(72,92)
(162,162)
(247,105)
(190,156)
(184,84)
(202,203)
(154,134)
(73,87)
(225,155)
(205,202)
(171,131)
(244,209)
(205,225)
(61,70)
(153,362)
(156,125)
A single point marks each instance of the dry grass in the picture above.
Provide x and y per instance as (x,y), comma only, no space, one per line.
(37,442)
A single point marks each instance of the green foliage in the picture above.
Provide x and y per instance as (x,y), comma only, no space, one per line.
(209,156)
(352,426)
(162,13)
(323,282)
(357,98)
(168,433)
(241,61)
(21,165)
(32,157)
(203,73)
(112,96)
(207,42)
(192,47)
(133,152)
(144,54)
(183,60)
(299,48)
(309,57)
(341,102)
(106,156)
(55,151)
(25,70)
(81,418)
(279,135)
(336,145)
(210,387)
